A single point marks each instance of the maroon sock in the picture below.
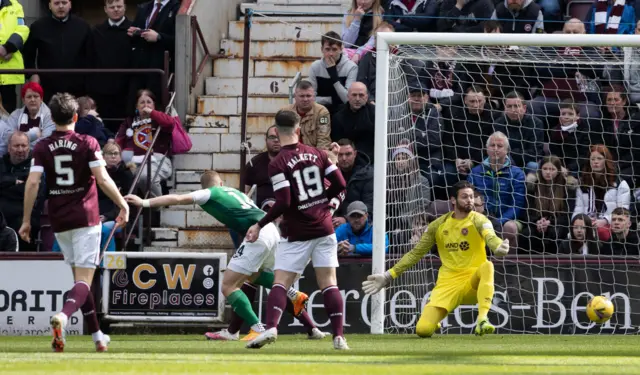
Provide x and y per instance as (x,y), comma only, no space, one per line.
(76,297)
(236,321)
(303,317)
(90,314)
(276,304)
(334,307)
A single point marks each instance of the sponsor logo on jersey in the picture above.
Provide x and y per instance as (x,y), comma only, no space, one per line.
(464,231)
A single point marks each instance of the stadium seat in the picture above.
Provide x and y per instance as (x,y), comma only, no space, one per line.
(579,9)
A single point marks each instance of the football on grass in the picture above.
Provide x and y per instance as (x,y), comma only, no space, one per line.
(599,309)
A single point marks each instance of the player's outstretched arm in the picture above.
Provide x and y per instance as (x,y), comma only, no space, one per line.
(498,246)
(30,193)
(163,201)
(109,187)
(375,283)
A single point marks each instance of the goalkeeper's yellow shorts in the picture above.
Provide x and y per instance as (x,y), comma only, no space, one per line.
(453,290)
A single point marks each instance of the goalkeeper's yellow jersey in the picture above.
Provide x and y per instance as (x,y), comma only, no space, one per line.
(461,243)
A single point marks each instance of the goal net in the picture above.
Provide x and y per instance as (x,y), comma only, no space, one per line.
(556,99)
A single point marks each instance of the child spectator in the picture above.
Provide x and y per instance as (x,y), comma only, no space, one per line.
(549,207)
(582,239)
(89,123)
(571,138)
(601,190)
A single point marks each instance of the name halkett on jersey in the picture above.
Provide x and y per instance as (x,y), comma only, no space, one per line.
(301,157)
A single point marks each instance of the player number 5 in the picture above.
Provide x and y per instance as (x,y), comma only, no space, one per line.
(309,183)
(65,175)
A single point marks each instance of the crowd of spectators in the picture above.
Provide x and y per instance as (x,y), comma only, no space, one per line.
(552,148)
(120,110)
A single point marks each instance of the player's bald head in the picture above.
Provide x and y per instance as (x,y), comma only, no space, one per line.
(210,179)
(287,121)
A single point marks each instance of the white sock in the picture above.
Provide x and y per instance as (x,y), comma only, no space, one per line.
(65,319)
(97,336)
(292,293)
(258,327)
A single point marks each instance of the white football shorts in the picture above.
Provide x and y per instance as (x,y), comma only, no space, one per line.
(81,247)
(250,257)
(294,256)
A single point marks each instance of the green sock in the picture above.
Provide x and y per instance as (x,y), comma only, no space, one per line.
(265,279)
(241,306)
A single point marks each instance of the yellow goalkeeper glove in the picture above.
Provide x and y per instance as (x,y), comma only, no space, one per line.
(374,283)
(503,249)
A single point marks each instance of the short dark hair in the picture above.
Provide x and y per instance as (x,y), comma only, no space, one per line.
(64,107)
(620,211)
(475,89)
(514,95)
(491,26)
(346,142)
(569,104)
(266,134)
(304,85)
(331,38)
(286,119)
(461,185)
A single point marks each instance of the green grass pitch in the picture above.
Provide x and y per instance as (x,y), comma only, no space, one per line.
(370,355)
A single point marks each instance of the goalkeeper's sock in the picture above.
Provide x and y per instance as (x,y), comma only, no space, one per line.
(485,289)
(265,279)
(333,305)
(235,324)
(275,305)
(241,306)
(76,298)
(303,317)
(90,316)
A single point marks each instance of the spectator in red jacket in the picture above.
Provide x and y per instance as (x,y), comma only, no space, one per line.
(136,134)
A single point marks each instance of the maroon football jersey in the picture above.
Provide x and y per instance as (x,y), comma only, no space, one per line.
(66,159)
(302,169)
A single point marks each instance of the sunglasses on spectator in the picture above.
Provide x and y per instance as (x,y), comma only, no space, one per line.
(272,137)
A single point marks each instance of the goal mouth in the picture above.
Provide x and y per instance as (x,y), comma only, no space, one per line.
(439,98)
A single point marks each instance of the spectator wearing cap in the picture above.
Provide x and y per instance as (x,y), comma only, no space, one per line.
(58,41)
(34,118)
(333,74)
(355,237)
(357,121)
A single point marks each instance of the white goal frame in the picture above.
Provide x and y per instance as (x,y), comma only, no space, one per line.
(382,101)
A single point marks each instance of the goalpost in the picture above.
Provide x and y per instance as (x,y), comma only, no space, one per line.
(544,294)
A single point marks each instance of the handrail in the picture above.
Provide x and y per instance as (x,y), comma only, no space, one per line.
(292,85)
(197,69)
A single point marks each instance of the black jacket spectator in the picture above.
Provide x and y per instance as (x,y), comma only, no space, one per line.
(499,79)
(59,44)
(629,145)
(111,50)
(367,73)
(92,126)
(466,134)
(528,20)
(12,196)
(610,133)
(572,146)
(469,19)
(358,126)
(123,178)
(359,188)
(421,18)
(428,136)
(526,138)
(151,54)
(8,236)
(627,246)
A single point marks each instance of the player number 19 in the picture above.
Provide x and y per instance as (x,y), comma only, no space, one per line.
(309,183)
(65,175)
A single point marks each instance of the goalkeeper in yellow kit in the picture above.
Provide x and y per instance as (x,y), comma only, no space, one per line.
(466,276)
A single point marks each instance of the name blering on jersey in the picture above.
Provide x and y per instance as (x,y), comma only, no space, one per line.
(62,143)
(301,157)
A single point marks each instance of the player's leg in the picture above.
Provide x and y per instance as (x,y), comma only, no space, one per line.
(325,261)
(429,321)
(483,282)
(91,317)
(291,260)
(231,333)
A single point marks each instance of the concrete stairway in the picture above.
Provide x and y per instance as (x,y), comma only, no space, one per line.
(281,46)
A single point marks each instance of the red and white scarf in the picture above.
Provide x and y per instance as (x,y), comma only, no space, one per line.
(600,16)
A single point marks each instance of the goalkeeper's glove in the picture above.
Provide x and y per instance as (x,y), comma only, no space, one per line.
(503,249)
(375,283)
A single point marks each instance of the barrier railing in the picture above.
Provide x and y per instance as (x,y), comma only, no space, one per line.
(197,68)
(293,84)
